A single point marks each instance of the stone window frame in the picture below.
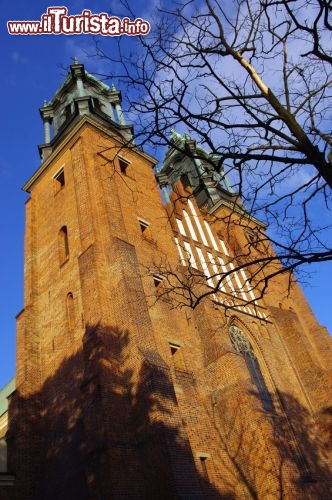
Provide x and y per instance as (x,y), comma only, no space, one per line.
(243,346)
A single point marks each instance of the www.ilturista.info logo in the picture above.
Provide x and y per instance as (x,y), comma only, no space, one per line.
(57,22)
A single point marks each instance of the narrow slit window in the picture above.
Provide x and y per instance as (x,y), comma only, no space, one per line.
(204,469)
(70,311)
(63,244)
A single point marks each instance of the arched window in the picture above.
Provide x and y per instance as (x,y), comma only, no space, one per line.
(242,345)
(70,311)
(63,244)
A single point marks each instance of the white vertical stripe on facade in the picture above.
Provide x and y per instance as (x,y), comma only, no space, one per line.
(198,223)
(182,259)
(248,286)
(238,282)
(216,271)
(205,267)
(181,228)
(224,249)
(190,226)
(224,270)
(213,241)
(190,254)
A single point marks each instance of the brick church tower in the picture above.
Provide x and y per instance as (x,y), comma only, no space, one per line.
(124,392)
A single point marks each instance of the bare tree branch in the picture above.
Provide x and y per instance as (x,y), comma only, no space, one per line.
(250,82)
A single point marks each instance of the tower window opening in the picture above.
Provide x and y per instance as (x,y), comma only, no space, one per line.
(70,311)
(143,224)
(157,280)
(185,181)
(67,112)
(96,104)
(59,180)
(177,356)
(203,462)
(63,244)
(174,348)
(123,164)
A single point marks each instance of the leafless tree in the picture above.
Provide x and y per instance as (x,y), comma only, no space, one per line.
(250,82)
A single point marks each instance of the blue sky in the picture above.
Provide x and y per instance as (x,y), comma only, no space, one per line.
(32,70)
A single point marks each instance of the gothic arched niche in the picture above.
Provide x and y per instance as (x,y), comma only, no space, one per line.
(63,244)
(242,345)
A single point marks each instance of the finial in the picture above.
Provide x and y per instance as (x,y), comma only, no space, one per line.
(113,86)
(75,60)
(45,103)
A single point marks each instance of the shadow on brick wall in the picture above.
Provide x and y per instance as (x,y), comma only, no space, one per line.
(280,454)
(106,425)
(103,426)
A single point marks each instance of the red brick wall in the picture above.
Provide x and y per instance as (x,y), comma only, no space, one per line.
(103,409)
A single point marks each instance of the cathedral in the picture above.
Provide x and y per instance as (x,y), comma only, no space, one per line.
(149,363)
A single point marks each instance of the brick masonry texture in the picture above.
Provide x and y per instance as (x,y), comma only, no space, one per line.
(104,409)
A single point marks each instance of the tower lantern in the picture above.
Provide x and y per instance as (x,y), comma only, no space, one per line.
(149,364)
(80,94)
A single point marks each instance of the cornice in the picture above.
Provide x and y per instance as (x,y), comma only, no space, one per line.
(71,138)
(236,209)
